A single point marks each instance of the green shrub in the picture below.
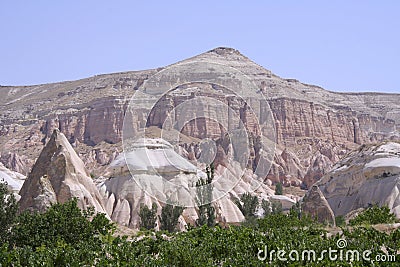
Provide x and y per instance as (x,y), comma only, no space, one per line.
(204,190)
(60,223)
(169,217)
(340,221)
(279,189)
(148,217)
(8,212)
(249,206)
(374,215)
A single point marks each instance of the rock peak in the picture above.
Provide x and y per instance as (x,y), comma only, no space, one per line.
(223,51)
(58,175)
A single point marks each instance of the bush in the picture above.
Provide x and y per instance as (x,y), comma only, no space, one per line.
(169,217)
(295,210)
(204,190)
(61,222)
(8,212)
(276,207)
(340,221)
(374,215)
(266,206)
(249,206)
(278,189)
(148,217)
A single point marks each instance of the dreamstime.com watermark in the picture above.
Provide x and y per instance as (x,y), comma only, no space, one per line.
(333,254)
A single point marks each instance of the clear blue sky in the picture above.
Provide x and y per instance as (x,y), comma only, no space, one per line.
(339,45)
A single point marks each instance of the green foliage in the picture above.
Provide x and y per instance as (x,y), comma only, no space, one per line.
(8,211)
(266,206)
(249,206)
(169,217)
(276,207)
(60,223)
(205,246)
(272,207)
(204,190)
(374,215)
(279,189)
(148,217)
(340,221)
(295,210)
(72,239)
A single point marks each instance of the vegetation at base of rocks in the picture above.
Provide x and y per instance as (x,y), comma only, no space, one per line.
(295,210)
(266,207)
(169,217)
(148,217)
(247,205)
(200,246)
(271,207)
(8,211)
(340,221)
(374,215)
(65,223)
(66,236)
(204,190)
(279,189)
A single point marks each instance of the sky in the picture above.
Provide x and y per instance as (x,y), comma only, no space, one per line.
(338,45)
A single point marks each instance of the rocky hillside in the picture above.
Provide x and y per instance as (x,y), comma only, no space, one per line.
(314,127)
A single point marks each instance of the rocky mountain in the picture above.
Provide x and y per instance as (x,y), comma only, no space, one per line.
(314,127)
(367,176)
(58,175)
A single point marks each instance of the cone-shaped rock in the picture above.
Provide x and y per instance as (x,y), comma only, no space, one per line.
(58,175)
(315,204)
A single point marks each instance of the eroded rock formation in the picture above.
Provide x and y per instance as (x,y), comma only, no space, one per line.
(367,176)
(57,176)
(155,165)
(316,205)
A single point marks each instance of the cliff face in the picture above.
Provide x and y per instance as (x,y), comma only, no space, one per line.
(314,127)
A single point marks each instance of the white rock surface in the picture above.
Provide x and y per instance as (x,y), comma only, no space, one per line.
(286,201)
(167,175)
(370,175)
(13,179)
